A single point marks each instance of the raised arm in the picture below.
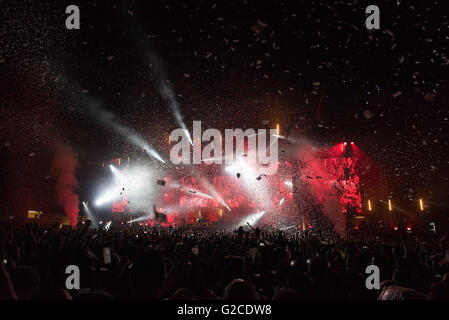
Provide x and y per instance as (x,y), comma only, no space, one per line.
(7,291)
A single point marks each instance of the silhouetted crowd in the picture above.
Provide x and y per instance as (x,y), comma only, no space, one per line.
(198,263)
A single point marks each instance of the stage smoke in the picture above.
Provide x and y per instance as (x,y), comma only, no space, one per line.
(136,185)
(63,168)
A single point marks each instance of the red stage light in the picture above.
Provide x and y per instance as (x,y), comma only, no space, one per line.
(352,142)
(409,228)
(395,228)
(356,228)
(345,143)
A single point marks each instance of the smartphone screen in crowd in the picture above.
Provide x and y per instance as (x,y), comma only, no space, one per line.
(107,255)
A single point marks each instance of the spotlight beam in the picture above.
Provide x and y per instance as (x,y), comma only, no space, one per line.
(111,121)
(89,213)
(252,219)
(140,219)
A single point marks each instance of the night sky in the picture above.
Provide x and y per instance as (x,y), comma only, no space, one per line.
(309,65)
